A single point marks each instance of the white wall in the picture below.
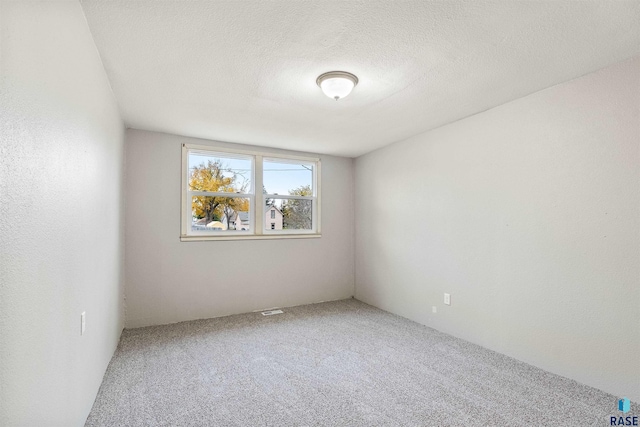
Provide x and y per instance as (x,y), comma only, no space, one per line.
(61,240)
(170,281)
(528,214)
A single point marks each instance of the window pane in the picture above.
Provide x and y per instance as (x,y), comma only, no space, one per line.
(283,177)
(220,213)
(288,214)
(219,173)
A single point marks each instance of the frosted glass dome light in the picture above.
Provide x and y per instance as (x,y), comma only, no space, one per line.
(337,84)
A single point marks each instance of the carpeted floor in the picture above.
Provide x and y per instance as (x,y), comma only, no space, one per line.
(340,363)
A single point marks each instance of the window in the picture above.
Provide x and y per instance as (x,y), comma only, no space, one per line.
(220,200)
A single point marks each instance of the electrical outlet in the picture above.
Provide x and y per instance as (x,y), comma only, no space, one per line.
(447,299)
(434,309)
(82,323)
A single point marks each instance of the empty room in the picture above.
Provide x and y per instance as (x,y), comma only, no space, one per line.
(328,213)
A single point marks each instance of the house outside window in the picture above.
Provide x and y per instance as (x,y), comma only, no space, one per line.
(219,200)
(275,218)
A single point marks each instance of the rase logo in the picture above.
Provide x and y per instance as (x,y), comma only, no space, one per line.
(624,406)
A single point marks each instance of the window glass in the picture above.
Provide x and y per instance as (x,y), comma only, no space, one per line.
(287,177)
(219,173)
(291,214)
(210,214)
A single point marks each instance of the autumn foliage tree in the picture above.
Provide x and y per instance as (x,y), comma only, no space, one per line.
(214,177)
(297,212)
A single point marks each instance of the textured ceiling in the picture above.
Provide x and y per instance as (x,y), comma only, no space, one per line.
(245,71)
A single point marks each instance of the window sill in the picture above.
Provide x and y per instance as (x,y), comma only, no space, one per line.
(251,237)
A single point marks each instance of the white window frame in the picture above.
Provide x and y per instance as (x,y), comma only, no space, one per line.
(257,229)
(312,198)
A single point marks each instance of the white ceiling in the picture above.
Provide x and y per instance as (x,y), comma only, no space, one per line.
(245,71)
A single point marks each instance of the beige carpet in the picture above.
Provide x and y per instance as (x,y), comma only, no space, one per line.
(340,363)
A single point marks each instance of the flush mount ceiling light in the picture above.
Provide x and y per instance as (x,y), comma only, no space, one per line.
(337,84)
